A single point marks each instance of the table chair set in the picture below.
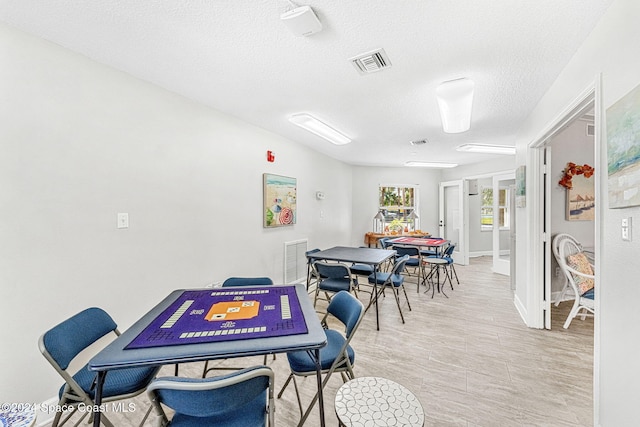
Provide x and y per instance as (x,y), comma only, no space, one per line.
(436,264)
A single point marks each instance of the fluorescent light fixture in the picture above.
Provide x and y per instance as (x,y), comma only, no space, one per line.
(487,148)
(455,99)
(431,164)
(315,126)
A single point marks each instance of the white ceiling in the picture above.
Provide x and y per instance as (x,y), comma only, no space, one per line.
(238,57)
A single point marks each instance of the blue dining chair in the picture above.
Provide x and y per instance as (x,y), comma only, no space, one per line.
(242,398)
(64,342)
(333,278)
(337,355)
(394,280)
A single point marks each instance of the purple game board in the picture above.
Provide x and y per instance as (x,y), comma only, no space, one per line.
(224,314)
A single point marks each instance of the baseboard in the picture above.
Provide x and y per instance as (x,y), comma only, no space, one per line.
(46,412)
(521,309)
(476,254)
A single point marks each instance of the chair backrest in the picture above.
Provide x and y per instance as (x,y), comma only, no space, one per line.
(246,395)
(310,259)
(332,270)
(247,281)
(398,267)
(579,273)
(406,250)
(449,251)
(62,343)
(384,242)
(348,309)
(557,240)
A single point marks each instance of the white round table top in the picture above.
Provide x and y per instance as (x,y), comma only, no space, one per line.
(435,261)
(10,417)
(374,401)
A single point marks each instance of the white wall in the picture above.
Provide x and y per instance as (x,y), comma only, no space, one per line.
(80,142)
(366,181)
(610,51)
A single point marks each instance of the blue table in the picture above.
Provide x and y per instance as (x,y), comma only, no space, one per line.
(369,256)
(114,356)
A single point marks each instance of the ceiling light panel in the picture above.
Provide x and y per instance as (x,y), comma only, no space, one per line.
(455,99)
(487,149)
(319,128)
(431,164)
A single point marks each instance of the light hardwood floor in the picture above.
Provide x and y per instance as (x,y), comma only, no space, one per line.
(469,358)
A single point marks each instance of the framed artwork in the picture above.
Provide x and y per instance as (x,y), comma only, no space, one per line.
(623,150)
(521,187)
(581,200)
(279,196)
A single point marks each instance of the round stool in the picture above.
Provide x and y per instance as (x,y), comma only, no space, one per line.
(436,264)
(374,401)
(12,417)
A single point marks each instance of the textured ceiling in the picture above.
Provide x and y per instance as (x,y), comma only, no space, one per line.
(236,56)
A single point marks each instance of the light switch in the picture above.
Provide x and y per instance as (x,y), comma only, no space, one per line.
(626,229)
(123,220)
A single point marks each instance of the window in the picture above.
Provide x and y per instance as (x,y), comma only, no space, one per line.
(486,209)
(396,204)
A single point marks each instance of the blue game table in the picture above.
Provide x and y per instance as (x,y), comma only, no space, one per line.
(115,356)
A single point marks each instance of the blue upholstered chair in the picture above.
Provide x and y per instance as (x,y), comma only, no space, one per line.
(243,398)
(310,271)
(247,281)
(394,280)
(448,256)
(337,355)
(333,278)
(239,281)
(414,262)
(60,346)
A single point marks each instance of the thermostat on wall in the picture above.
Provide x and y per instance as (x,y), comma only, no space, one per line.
(319,195)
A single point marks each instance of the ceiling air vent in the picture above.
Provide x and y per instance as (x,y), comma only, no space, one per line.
(371,62)
(418,142)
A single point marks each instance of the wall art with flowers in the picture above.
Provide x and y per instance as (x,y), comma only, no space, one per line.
(581,201)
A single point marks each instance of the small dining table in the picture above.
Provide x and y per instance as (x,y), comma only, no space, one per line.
(370,256)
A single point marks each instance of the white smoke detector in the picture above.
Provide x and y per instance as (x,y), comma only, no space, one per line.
(302,21)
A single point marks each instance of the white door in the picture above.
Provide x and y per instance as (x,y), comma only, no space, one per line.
(501,214)
(454,215)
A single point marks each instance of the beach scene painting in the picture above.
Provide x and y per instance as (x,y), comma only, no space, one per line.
(623,150)
(581,200)
(280,194)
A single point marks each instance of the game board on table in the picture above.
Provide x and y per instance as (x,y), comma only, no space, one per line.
(223,314)
(418,241)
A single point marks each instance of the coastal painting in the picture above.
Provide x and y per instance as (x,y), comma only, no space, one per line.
(279,195)
(581,200)
(623,150)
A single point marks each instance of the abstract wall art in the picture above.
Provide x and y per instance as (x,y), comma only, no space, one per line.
(279,195)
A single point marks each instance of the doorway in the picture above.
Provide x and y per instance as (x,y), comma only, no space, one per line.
(454,218)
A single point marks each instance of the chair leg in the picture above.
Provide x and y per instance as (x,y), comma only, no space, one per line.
(396,294)
(406,297)
(453,268)
(572,313)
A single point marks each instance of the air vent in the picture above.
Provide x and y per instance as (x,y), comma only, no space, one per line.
(371,62)
(418,142)
(591,130)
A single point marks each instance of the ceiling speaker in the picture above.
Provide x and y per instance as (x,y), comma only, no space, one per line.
(302,21)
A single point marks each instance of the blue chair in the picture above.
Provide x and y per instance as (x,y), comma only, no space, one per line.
(394,280)
(448,256)
(333,278)
(414,261)
(337,355)
(310,271)
(60,346)
(247,281)
(243,398)
(239,281)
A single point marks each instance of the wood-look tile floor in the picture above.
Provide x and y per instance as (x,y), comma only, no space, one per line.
(469,359)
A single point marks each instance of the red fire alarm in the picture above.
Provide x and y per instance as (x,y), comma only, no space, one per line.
(271,157)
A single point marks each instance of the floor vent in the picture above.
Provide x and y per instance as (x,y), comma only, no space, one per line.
(371,62)
(295,261)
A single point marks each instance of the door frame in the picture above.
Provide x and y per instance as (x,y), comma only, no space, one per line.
(500,266)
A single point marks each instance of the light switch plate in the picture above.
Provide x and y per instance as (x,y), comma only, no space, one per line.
(123,220)
(626,229)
